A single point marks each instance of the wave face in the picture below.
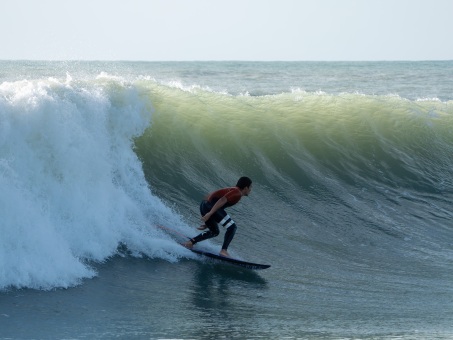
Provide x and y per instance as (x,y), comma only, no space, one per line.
(367,178)
(345,181)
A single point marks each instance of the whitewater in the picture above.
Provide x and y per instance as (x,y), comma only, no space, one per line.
(72,187)
(351,202)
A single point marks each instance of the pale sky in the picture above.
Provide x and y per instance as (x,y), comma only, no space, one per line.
(166,30)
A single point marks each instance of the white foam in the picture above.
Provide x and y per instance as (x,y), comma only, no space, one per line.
(71,186)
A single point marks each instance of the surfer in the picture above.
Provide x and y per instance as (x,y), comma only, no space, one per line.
(213,211)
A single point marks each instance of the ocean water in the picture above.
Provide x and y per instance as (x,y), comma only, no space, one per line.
(351,202)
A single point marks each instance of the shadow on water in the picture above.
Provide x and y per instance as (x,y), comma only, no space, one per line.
(227,272)
(227,300)
(215,285)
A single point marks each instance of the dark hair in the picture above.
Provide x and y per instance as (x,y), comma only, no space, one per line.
(244,182)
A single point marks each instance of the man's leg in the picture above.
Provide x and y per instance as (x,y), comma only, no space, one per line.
(226,221)
(228,238)
(212,232)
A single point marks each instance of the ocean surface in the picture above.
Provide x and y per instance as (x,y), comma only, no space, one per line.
(352,165)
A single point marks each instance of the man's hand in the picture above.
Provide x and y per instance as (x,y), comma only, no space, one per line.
(206,217)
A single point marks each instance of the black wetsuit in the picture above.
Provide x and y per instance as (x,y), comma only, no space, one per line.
(220,216)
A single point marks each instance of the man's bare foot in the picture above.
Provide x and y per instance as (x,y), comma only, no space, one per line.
(202,227)
(188,244)
(224,253)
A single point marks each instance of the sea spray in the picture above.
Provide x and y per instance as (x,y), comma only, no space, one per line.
(72,188)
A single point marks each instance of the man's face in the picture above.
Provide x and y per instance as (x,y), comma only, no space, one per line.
(247,190)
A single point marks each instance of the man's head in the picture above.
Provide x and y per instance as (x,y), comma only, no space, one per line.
(245,185)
